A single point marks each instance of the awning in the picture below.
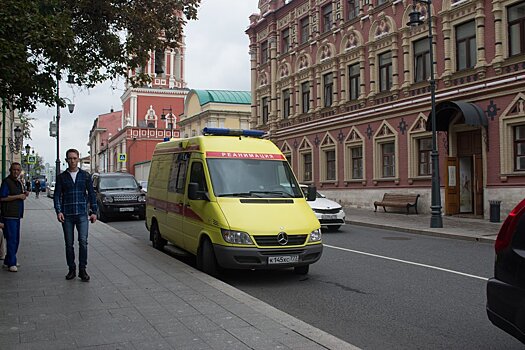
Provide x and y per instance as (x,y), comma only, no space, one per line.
(446,111)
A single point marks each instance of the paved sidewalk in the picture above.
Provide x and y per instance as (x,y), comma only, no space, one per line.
(138,298)
(453,226)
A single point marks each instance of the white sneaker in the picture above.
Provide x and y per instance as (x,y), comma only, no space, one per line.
(13,269)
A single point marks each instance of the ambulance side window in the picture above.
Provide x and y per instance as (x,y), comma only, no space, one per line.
(197,176)
(178,173)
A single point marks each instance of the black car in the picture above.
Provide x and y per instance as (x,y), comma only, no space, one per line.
(118,194)
(506,290)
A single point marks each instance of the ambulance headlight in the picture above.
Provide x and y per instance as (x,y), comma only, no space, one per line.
(315,236)
(236,237)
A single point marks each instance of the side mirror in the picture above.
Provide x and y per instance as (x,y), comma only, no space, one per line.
(312,193)
(194,193)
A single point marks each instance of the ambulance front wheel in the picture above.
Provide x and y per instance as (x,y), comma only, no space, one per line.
(206,261)
(301,270)
(156,239)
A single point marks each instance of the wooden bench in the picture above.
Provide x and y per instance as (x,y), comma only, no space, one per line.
(398,201)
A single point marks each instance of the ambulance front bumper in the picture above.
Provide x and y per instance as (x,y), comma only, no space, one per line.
(257,258)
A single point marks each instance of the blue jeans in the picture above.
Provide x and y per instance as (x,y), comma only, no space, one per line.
(12,237)
(69,224)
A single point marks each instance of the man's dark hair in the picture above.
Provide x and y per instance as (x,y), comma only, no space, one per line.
(14,163)
(72,150)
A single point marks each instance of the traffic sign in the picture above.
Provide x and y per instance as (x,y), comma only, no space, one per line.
(122,157)
(31,159)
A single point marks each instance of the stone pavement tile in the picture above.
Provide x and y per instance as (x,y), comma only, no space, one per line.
(115,346)
(223,340)
(91,333)
(181,310)
(9,338)
(207,307)
(127,313)
(36,336)
(290,338)
(153,344)
(199,323)
(170,327)
(256,339)
(17,327)
(228,320)
(60,344)
(187,342)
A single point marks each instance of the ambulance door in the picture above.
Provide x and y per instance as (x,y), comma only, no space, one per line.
(176,198)
(196,212)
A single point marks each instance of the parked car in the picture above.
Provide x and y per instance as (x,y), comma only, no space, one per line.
(144,185)
(118,194)
(51,189)
(329,213)
(506,290)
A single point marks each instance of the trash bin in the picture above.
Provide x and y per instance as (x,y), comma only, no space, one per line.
(494,210)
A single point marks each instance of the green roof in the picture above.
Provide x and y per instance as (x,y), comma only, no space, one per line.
(224,96)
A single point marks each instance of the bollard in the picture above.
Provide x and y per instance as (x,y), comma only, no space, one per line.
(494,210)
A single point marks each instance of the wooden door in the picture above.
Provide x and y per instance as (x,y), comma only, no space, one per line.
(451,187)
(478,185)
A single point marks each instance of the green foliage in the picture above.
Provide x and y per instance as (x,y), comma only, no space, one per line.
(93,40)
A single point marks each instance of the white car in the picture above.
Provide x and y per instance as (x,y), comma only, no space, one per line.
(51,189)
(329,213)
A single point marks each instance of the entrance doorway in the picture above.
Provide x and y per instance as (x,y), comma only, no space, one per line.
(464,176)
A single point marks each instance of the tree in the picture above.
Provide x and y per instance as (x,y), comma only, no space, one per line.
(89,40)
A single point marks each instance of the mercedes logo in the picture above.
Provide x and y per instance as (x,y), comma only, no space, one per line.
(282,238)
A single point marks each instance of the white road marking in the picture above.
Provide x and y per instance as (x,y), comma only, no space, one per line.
(406,262)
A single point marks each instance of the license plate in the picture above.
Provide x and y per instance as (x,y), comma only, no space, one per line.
(283,259)
(329,217)
(126,209)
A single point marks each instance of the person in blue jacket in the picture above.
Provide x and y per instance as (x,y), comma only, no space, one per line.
(12,197)
(75,203)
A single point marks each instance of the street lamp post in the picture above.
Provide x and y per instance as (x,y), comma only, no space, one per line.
(71,107)
(28,149)
(436,221)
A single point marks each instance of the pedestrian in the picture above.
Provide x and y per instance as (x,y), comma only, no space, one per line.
(28,185)
(37,188)
(74,196)
(12,196)
(2,244)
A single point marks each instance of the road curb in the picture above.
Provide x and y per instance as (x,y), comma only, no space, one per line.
(424,232)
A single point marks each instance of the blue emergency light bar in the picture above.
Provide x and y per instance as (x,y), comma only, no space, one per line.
(232,132)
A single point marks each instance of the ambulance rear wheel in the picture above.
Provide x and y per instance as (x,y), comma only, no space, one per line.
(206,260)
(156,239)
(301,270)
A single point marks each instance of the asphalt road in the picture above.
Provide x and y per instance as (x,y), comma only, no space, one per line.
(381,289)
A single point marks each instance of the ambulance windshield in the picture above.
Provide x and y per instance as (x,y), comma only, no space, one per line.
(253,178)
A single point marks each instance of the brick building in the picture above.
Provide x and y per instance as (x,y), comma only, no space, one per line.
(342,88)
(149,114)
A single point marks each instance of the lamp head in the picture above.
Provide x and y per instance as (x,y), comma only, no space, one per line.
(18,132)
(414,18)
(71,107)
(28,148)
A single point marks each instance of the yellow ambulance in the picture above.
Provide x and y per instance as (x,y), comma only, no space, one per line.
(230,198)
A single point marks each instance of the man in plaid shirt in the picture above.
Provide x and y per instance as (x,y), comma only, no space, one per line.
(73,194)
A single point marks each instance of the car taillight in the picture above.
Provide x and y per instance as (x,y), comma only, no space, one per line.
(506,231)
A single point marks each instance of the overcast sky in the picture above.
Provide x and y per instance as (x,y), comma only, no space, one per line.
(216,58)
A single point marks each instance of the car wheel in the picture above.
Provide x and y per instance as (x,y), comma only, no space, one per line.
(301,270)
(100,215)
(206,261)
(157,241)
